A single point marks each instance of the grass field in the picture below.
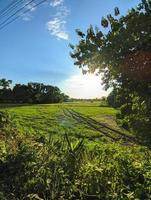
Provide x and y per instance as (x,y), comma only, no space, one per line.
(70,151)
(51,119)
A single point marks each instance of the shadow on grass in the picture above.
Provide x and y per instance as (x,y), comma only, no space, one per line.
(107,131)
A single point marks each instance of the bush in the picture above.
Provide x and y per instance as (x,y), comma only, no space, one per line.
(5,119)
(67,170)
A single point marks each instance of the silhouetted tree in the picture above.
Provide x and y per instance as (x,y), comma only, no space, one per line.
(30,93)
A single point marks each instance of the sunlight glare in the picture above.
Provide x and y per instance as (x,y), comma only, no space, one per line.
(84,86)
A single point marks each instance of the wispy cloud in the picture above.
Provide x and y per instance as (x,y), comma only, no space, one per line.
(62,12)
(55,3)
(30,7)
(57,25)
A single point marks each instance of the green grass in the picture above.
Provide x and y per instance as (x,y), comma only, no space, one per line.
(46,153)
(102,114)
(44,119)
(36,119)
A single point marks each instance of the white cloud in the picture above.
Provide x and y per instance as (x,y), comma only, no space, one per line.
(62,12)
(84,86)
(31,7)
(56,28)
(57,25)
(55,3)
(26,17)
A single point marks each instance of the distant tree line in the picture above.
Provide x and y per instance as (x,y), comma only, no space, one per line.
(30,93)
(91,100)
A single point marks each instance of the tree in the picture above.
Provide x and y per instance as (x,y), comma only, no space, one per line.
(5,83)
(123,55)
(30,93)
(21,93)
(5,91)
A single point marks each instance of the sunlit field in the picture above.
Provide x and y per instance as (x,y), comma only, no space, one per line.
(52,118)
(70,151)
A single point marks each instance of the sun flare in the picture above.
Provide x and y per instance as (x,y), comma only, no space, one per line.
(84,86)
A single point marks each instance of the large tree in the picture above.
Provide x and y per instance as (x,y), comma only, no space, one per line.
(123,54)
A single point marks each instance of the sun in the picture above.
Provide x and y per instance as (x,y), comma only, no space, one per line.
(84,86)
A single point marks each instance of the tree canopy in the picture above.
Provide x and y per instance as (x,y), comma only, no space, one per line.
(123,54)
(30,93)
(123,51)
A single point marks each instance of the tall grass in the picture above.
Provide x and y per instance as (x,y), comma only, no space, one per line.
(46,167)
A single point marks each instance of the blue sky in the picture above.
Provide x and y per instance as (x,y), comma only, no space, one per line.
(35,47)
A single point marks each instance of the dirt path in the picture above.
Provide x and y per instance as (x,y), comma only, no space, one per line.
(103,129)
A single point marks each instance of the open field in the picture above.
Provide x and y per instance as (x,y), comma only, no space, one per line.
(71,151)
(81,120)
(51,119)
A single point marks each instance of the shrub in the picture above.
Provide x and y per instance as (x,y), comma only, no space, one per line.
(68,170)
(5,119)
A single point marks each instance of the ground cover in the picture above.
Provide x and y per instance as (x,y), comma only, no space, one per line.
(65,151)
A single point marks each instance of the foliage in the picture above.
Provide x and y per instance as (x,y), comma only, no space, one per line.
(114,99)
(68,161)
(123,55)
(30,93)
(66,169)
(5,119)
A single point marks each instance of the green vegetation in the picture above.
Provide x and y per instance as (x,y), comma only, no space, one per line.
(123,55)
(71,151)
(30,93)
(62,151)
(49,118)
